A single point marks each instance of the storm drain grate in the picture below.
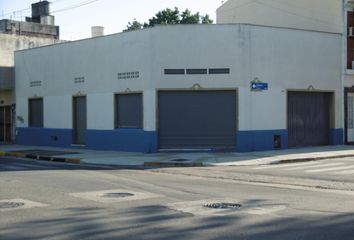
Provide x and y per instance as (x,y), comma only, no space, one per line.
(9,205)
(117,195)
(233,206)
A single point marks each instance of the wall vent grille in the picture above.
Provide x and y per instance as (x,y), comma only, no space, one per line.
(35,83)
(197,71)
(127,75)
(79,80)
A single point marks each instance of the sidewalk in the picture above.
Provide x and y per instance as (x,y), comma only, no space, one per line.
(176,159)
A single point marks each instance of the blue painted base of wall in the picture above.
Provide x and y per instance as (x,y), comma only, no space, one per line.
(44,137)
(249,141)
(128,140)
(137,140)
(336,136)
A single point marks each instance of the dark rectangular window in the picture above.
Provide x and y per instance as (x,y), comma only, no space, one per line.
(35,112)
(219,70)
(174,71)
(197,71)
(129,110)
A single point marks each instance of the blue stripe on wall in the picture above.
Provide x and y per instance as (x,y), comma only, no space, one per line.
(138,140)
(336,136)
(260,140)
(129,140)
(44,137)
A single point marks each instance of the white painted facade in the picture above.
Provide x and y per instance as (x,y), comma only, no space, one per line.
(286,59)
(9,43)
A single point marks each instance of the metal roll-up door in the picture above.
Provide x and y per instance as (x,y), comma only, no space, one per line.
(197,119)
(308,118)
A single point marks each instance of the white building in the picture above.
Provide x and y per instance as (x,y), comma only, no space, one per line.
(232,86)
(17,35)
(348,70)
(316,15)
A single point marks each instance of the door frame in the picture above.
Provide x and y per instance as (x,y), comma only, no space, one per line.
(346,91)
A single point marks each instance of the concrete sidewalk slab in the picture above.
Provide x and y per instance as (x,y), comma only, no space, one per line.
(181,159)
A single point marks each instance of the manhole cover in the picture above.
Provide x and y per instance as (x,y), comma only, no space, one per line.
(117,195)
(180,160)
(233,206)
(6,205)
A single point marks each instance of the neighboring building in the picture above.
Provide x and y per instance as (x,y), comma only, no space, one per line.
(184,87)
(348,70)
(316,15)
(16,35)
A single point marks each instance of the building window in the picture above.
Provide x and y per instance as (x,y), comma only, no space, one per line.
(174,71)
(197,71)
(129,110)
(35,112)
(350,40)
(219,70)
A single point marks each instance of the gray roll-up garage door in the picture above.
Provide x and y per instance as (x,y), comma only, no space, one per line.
(197,119)
(308,118)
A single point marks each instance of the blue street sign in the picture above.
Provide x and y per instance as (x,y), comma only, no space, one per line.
(259,86)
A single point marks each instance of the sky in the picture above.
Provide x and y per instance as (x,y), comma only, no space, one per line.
(114,15)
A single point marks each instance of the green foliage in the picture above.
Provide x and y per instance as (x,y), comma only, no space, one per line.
(206,19)
(135,25)
(188,18)
(170,16)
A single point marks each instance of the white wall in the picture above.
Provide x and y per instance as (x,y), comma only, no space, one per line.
(286,59)
(9,43)
(319,15)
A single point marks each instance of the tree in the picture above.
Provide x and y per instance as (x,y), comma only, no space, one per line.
(170,16)
(165,17)
(135,25)
(206,19)
(188,18)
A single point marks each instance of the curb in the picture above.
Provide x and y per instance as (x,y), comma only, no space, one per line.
(173,164)
(41,157)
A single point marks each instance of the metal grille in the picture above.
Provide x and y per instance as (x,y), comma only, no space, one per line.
(308,118)
(174,71)
(197,119)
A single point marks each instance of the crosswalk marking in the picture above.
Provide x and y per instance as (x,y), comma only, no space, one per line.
(329,169)
(343,166)
(346,172)
(284,165)
(318,165)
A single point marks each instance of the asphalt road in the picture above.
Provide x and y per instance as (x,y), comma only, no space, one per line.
(45,200)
